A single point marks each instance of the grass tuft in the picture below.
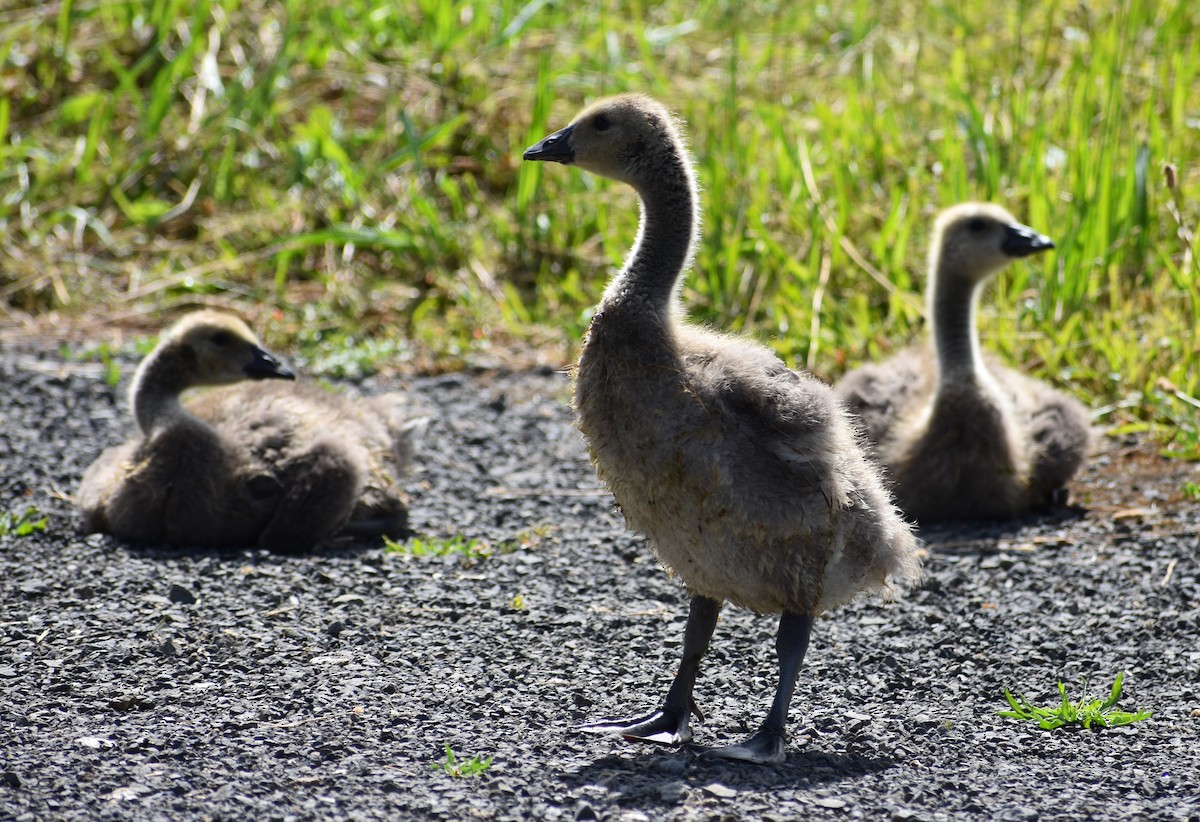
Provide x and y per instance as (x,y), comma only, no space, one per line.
(28,522)
(457,767)
(1085,713)
(470,550)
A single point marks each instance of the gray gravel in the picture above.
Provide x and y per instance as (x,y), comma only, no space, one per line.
(148,683)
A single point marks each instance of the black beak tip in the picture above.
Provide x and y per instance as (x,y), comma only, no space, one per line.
(549,153)
(1039,244)
(1022,241)
(554,148)
(264,366)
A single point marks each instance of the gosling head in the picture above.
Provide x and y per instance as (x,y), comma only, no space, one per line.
(217,348)
(624,138)
(975,240)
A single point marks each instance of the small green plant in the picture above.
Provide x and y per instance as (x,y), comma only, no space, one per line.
(102,352)
(527,538)
(342,356)
(22,525)
(1085,713)
(1191,490)
(457,767)
(112,371)
(1179,435)
(472,550)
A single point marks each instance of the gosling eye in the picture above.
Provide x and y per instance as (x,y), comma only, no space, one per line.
(601,122)
(221,338)
(977,225)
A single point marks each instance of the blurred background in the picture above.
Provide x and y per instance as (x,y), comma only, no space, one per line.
(347,176)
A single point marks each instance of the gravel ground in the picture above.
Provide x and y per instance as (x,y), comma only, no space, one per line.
(149,683)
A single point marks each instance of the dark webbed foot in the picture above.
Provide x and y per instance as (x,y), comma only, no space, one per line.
(768,745)
(663,727)
(671,725)
(763,748)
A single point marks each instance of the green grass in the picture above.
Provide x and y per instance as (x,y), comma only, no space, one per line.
(102,353)
(23,524)
(458,767)
(348,175)
(1085,713)
(469,549)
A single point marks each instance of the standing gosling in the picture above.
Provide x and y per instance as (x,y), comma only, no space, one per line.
(963,436)
(746,476)
(276,464)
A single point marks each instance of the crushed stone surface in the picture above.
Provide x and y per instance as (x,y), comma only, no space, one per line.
(149,683)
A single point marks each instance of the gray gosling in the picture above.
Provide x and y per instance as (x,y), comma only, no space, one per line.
(746,476)
(258,461)
(962,436)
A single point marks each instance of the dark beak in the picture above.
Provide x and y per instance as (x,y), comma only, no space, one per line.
(1021,241)
(265,366)
(556,147)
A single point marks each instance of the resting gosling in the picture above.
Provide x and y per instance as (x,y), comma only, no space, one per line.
(963,436)
(277,464)
(745,475)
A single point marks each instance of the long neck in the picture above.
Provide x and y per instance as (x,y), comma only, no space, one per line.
(952,300)
(666,236)
(159,381)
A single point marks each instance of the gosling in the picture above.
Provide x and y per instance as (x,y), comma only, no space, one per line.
(276,464)
(962,436)
(745,475)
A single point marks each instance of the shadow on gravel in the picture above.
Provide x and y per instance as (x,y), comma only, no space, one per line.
(166,553)
(659,777)
(995,536)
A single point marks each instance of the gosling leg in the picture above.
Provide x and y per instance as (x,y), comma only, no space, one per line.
(671,725)
(768,744)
